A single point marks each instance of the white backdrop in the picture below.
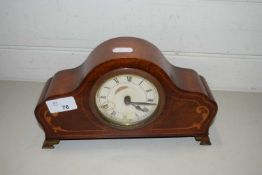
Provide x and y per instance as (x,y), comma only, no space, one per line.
(221,39)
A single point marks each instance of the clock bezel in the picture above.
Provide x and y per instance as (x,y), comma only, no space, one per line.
(121,71)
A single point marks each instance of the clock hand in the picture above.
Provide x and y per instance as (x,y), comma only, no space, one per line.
(139,108)
(127,101)
(142,103)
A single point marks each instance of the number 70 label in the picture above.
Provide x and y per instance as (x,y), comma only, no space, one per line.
(61,104)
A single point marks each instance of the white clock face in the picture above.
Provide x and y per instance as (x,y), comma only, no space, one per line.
(127,99)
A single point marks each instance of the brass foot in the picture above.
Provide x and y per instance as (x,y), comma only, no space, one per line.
(204,140)
(198,139)
(49,143)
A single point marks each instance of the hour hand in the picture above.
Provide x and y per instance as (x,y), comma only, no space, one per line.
(127,101)
(139,108)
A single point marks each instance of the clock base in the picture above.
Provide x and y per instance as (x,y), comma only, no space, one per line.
(49,143)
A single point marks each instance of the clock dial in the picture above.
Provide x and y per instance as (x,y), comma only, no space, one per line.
(127,99)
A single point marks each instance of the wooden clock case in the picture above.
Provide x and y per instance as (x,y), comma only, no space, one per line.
(188,105)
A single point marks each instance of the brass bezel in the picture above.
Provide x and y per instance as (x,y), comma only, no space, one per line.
(122,71)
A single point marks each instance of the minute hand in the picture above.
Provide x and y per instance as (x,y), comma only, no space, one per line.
(142,103)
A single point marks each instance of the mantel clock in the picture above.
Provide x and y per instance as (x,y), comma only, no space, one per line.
(126,88)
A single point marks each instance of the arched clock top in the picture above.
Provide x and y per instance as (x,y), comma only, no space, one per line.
(142,53)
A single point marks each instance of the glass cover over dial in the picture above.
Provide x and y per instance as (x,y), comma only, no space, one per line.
(127,99)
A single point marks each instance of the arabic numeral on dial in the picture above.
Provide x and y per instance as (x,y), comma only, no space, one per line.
(65,107)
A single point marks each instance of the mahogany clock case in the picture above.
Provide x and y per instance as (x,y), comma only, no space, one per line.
(187,106)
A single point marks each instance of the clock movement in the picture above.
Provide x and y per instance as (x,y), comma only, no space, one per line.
(126,88)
